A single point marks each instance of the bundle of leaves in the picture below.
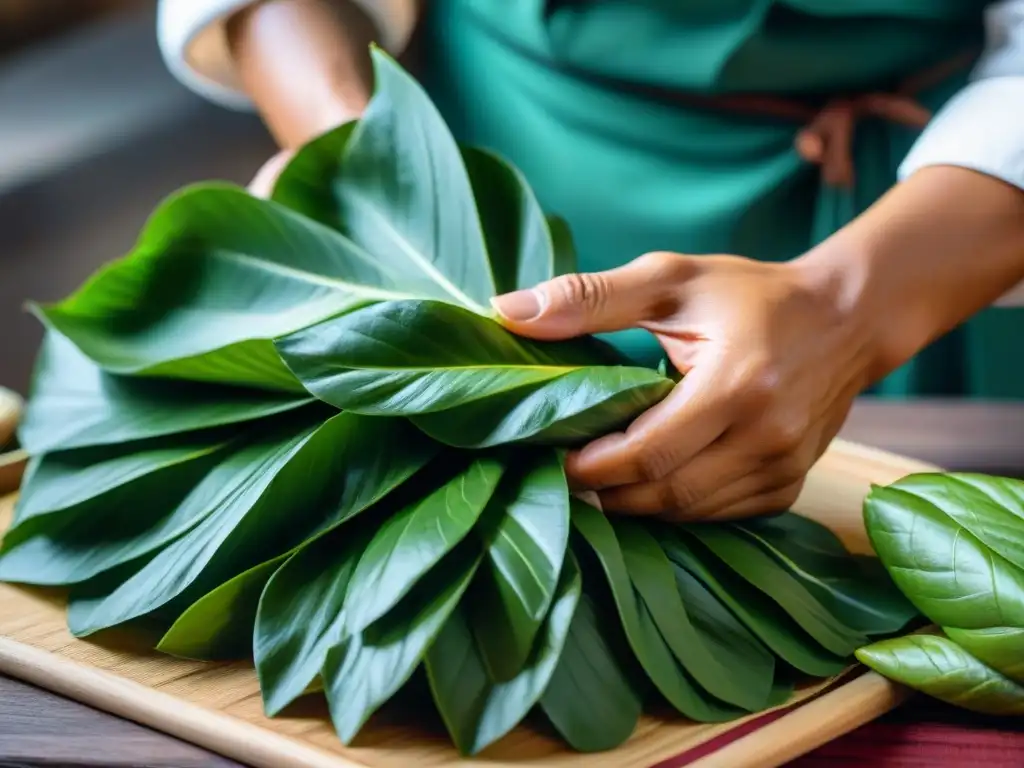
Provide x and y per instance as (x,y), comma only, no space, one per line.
(954,544)
(292,430)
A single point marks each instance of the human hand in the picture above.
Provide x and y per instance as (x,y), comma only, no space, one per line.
(771,362)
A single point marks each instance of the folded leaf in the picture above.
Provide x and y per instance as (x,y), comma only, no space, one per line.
(413,540)
(945,571)
(991,508)
(292,493)
(748,685)
(365,670)
(564,247)
(417,357)
(1001,648)
(644,638)
(940,668)
(215,276)
(477,710)
(590,698)
(75,404)
(858,591)
(764,618)
(525,550)
(750,561)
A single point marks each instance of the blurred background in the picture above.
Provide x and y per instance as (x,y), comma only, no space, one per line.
(93,133)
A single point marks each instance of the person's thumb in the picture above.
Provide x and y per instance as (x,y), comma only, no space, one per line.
(595,302)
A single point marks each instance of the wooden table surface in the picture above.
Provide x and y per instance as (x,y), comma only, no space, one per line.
(40,729)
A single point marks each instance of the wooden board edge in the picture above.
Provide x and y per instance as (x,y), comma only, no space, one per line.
(235,739)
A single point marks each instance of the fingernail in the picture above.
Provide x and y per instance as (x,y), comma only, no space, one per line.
(519,305)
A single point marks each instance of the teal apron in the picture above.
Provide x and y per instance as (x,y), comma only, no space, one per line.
(581,95)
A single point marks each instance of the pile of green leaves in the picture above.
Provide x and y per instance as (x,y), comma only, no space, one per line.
(954,544)
(291,430)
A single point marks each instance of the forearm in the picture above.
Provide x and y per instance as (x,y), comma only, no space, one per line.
(305,64)
(939,247)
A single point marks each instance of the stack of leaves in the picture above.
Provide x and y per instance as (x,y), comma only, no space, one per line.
(291,430)
(954,544)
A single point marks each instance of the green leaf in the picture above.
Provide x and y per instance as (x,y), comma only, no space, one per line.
(519,244)
(418,358)
(525,551)
(748,685)
(365,670)
(74,404)
(991,508)
(216,275)
(944,570)
(71,548)
(564,247)
(306,183)
(293,492)
(764,618)
(414,540)
(219,626)
(1001,648)
(940,668)
(590,698)
(759,569)
(857,591)
(477,710)
(644,638)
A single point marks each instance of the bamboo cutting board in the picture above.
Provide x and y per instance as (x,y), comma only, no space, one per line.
(217,706)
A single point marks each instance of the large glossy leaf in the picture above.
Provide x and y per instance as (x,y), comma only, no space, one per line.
(295,491)
(591,699)
(416,358)
(764,618)
(365,670)
(71,548)
(1001,648)
(749,685)
(644,638)
(75,404)
(939,667)
(951,576)
(857,591)
(564,247)
(477,710)
(215,276)
(759,569)
(991,508)
(414,539)
(525,551)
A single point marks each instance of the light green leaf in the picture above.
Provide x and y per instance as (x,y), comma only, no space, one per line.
(413,540)
(477,710)
(857,591)
(292,493)
(306,183)
(647,643)
(418,358)
(940,668)
(219,626)
(215,276)
(748,685)
(519,244)
(757,567)
(590,699)
(525,550)
(1001,648)
(764,618)
(944,570)
(74,404)
(991,508)
(365,670)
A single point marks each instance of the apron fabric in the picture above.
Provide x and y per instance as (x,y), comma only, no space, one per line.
(583,96)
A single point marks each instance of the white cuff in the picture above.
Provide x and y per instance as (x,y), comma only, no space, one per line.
(195,48)
(981,128)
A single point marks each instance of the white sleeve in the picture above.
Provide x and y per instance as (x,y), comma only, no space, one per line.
(982,127)
(194,45)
